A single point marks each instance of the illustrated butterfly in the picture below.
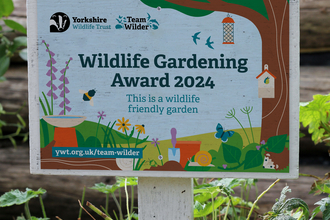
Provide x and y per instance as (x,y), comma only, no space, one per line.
(224,135)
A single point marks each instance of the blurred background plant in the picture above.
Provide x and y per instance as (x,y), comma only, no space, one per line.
(8,48)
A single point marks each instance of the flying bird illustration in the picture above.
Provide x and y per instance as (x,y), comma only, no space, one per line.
(208,42)
(195,38)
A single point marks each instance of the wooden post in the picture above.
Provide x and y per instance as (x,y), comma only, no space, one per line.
(165,198)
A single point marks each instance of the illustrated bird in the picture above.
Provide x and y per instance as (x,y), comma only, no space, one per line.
(209,42)
(195,38)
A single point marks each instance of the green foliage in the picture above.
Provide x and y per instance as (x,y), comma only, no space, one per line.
(7,50)
(253,159)
(276,144)
(315,115)
(19,125)
(282,208)
(232,154)
(7,47)
(16,197)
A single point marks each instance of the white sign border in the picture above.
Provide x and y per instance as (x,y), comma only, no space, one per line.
(33,85)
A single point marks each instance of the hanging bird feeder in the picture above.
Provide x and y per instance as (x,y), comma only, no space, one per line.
(228,30)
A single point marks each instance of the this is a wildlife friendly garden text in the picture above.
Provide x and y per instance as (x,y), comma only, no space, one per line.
(138,86)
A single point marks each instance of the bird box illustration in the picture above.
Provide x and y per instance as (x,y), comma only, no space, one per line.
(266,84)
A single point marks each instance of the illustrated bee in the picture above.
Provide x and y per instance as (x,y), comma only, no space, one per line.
(88,96)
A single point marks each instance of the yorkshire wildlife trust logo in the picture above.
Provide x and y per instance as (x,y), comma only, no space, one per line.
(59,22)
(132,23)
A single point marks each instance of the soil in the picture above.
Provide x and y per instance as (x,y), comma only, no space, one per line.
(168,166)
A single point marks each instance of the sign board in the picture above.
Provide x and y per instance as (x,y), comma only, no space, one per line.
(174,88)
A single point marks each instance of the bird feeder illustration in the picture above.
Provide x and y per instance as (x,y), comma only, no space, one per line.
(266,84)
(228,30)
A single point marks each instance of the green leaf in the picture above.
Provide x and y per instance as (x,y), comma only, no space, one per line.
(15,26)
(276,144)
(6,8)
(103,188)
(209,207)
(314,114)
(315,212)
(253,158)
(295,203)
(35,218)
(18,42)
(23,54)
(232,154)
(3,49)
(16,197)
(131,181)
(4,65)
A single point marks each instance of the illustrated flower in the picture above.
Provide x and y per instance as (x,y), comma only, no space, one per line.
(155,142)
(123,124)
(140,128)
(160,157)
(224,166)
(64,88)
(101,114)
(263,142)
(258,147)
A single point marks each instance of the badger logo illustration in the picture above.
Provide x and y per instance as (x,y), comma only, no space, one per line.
(59,22)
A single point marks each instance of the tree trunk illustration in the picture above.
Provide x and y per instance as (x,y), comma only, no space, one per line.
(274,32)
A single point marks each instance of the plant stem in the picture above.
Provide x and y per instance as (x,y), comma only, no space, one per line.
(27,210)
(310,175)
(243,129)
(160,154)
(132,199)
(118,205)
(97,129)
(82,200)
(301,215)
(263,193)
(227,210)
(107,203)
(126,192)
(195,182)
(251,127)
(97,211)
(233,207)
(42,207)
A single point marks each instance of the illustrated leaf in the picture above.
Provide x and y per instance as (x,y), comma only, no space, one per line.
(256,5)
(276,144)
(6,7)
(16,197)
(232,154)
(185,10)
(253,158)
(15,26)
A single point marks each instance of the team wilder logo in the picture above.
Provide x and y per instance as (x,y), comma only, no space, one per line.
(59,22)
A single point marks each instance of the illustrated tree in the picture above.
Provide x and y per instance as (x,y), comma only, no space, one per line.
(271,17)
